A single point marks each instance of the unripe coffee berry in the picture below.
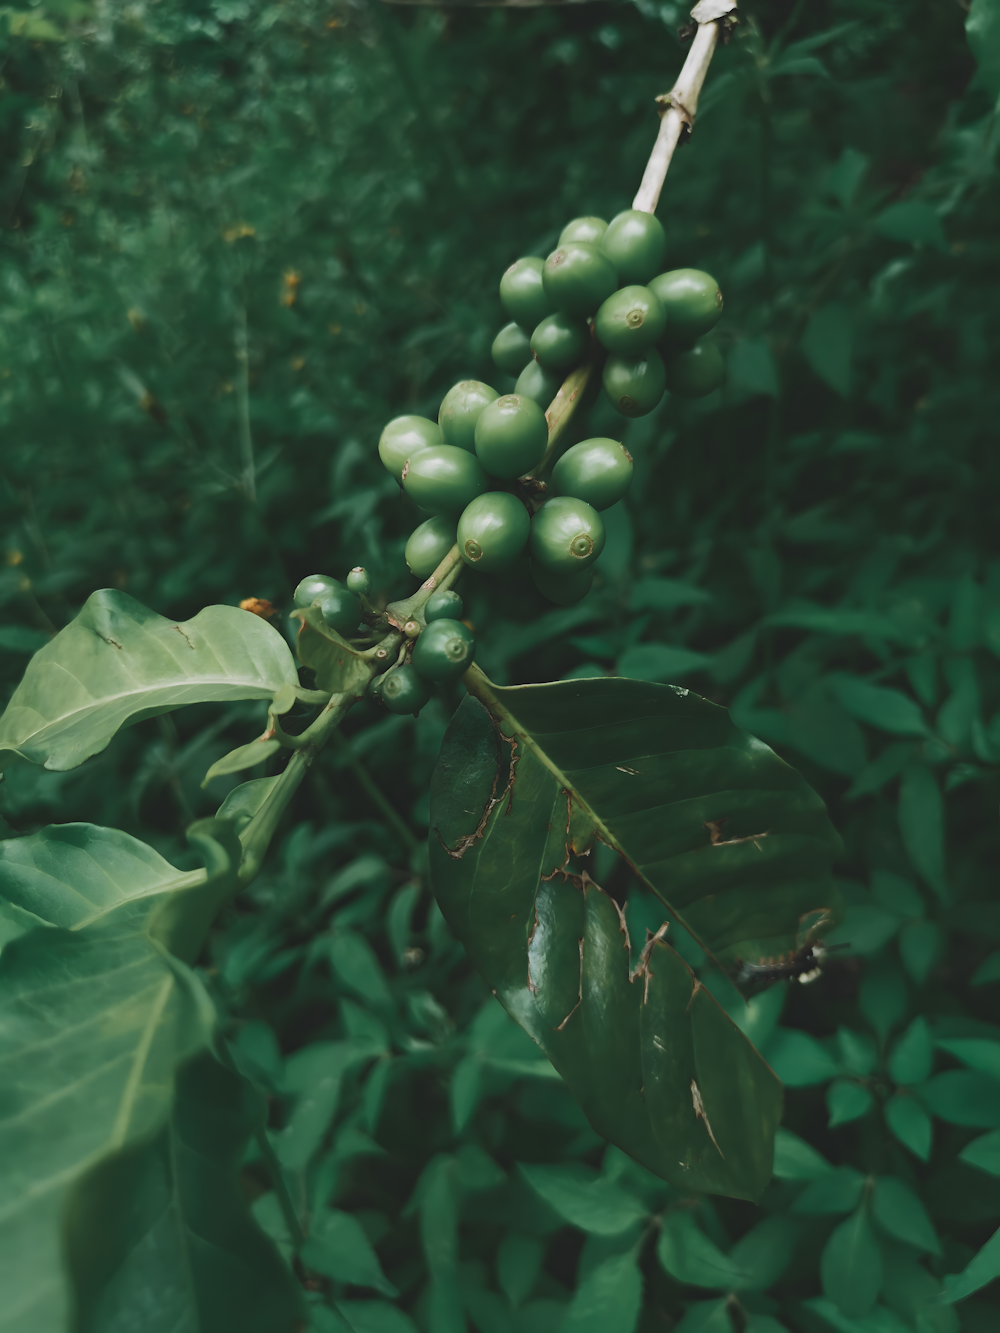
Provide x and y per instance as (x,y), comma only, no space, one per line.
(403,438)
(459,412)
(445,605)
(598,471)
(566,535)
(578,277)
(691,301)
(522,293)
(635,242)
(493,531)
(511,349)
(584,229)
(629,321)
(538,384)
(444,650)
(559,343)
(403,690)
(429,544)
(511,435)
(634,384)
(359,581)
(695,372)
(444,479)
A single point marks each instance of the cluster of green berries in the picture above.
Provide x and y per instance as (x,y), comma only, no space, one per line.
(603,282)
(472,469)
(439,652)
(457,469)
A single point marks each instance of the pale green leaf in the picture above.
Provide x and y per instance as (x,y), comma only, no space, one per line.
(118,662)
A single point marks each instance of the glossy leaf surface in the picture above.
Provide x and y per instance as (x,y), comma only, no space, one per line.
(97,1017)
(731,839)
(169,1216)
(118,662)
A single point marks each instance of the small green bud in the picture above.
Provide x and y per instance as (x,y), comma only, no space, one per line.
(359,580)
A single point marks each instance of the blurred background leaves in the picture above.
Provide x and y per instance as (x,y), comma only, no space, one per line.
(238,237)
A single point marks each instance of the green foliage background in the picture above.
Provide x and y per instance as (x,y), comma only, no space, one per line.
(238,238)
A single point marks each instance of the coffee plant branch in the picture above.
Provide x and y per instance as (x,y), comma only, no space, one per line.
(681,103)
(711,17)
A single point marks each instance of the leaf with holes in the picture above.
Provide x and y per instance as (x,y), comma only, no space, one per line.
(118,662)
(339,668)
(732,840)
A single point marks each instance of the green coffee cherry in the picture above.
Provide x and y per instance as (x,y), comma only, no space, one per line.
(538,384)
(511,349)
(429,544)
(444,479)
(359,580)
(493,531)
(563,589)
(460,409)
(522,293)
(445,605)
(695,372)
(691,301)
(584,229)
(341,609)
(404,437)
(635,242)
(598,471)
(578,277)
(634,384)
(567,535)
(511,436)
(312,588)
(444,650)
(629,321)
(560,343)
(403,690)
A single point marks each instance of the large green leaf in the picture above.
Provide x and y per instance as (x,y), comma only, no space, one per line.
(97,1016)
(119,662)
(160,1237)
(732,840)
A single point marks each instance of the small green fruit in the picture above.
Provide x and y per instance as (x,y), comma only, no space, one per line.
(312,588)
(634,384)
(691,301)
(403,690)
(511,349)
(560,343)
(444,479)
(429,544)
(493,531)
(511,436)
(538,384)
(404,437)
(445,605)
(522,293)
(460,409)
(567,535)
(598,471)
(359,580)
(695,372)
(563,589)
(341,609)
(578,277)
(584,229)
(444,650)
(629,321)
(635,242)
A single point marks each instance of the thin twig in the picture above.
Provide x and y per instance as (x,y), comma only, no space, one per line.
(681,102)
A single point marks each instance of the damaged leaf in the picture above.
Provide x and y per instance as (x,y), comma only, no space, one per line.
(339,668)
(731,839)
